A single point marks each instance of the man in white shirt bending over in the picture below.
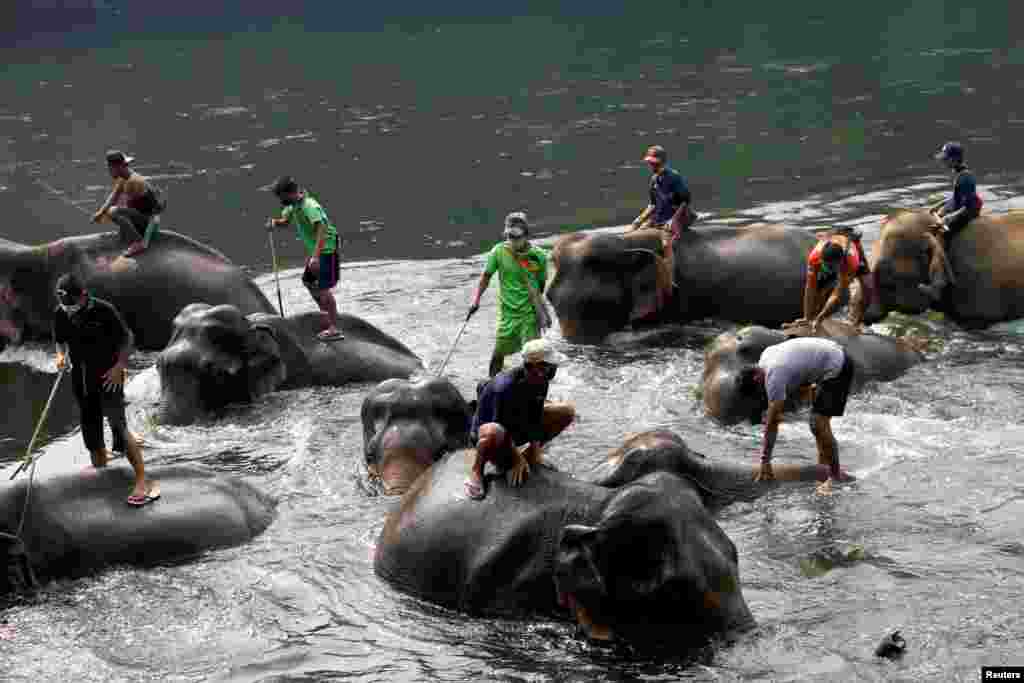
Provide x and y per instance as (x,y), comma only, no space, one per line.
(789,369)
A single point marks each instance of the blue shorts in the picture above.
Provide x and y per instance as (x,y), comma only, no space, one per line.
(330,271)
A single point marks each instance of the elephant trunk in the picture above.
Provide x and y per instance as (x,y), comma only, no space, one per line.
(721,485)
(18,577)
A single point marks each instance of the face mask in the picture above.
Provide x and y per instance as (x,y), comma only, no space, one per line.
(519,244)
(71,310)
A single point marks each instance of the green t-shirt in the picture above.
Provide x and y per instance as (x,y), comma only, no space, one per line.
(305,215)
(514,297)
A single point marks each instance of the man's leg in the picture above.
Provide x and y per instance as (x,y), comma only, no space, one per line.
(113,407)
(557,416)
(131,224)
(938,269)
(491,446)
(508,341)
(329,307)
(91,409)
(327,279)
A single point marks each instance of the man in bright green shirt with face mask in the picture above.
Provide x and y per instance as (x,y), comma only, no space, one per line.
(517,262)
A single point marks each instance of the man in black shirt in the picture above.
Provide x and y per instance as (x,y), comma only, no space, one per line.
(513,420)
(99,343)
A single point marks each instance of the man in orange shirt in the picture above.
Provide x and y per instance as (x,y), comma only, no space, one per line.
(835,263)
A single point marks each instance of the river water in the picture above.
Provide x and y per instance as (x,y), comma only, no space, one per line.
(419,133)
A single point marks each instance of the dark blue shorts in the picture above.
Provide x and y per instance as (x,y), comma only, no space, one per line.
(330,271)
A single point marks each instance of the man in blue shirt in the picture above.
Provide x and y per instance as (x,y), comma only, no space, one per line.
(965,204)
(957,211)
(669,197)
(512,413)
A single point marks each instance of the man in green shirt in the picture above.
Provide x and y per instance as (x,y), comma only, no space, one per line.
(320,239)
(520,267)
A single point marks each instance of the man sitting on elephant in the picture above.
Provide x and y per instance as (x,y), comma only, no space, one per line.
(134,205)
(963,206)
(819,365)
(670,207)
(512,412)
(836,263)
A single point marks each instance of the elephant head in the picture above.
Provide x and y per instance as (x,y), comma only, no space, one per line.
(218,356)
(654,567)
(905,256)
(27,299)
(408,425)
(727,355)
(604,282)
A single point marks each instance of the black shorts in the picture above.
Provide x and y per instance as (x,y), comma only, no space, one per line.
(830,397)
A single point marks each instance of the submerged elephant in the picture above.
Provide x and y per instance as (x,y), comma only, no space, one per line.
(632,552)
(148,289)
(217,355)
(604,282)
(877,358)
(76,524)
(407,426)
(985,268)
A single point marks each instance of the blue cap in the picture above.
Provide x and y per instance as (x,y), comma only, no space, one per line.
(951,151)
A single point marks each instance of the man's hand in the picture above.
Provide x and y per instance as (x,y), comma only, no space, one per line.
(98,216)
(765,473)
(517,473)
(114,377)
(815,324)
(313,264)
(271,224)
(62,360)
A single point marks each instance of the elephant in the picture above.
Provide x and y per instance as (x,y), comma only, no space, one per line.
(604,282)
(984,268)
(877,358)
(76,523)
(217,356)
(630,550)
(407,426)
(148,289)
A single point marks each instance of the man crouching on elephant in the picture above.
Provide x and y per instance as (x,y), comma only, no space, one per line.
(834,266)
(512,412)
(92,332)
(819,367)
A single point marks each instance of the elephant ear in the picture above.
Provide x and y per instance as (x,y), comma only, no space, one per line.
(264,366)
(577,569)
(649,278)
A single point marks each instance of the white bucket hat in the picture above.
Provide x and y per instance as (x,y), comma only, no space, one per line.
(539,351)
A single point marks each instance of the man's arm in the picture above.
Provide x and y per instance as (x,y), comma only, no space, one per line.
(810,294)
(681,194)
(481,287)
(112,198)
(771,429)
(833,299)
(126,338)
(644,215)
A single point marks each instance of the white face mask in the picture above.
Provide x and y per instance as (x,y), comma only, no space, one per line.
(519,244)
(71,310)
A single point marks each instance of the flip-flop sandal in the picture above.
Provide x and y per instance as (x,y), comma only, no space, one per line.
(474,490)
(326,336)
(152,494)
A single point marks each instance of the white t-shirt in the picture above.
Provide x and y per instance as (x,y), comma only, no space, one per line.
(795,362)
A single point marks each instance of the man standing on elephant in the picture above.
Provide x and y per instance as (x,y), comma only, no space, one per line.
(513,421)
(669,207)
(523,273)
(802,365)
(92,332)
(134,205)
(320,238)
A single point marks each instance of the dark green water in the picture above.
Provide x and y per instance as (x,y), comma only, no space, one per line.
(421,132)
